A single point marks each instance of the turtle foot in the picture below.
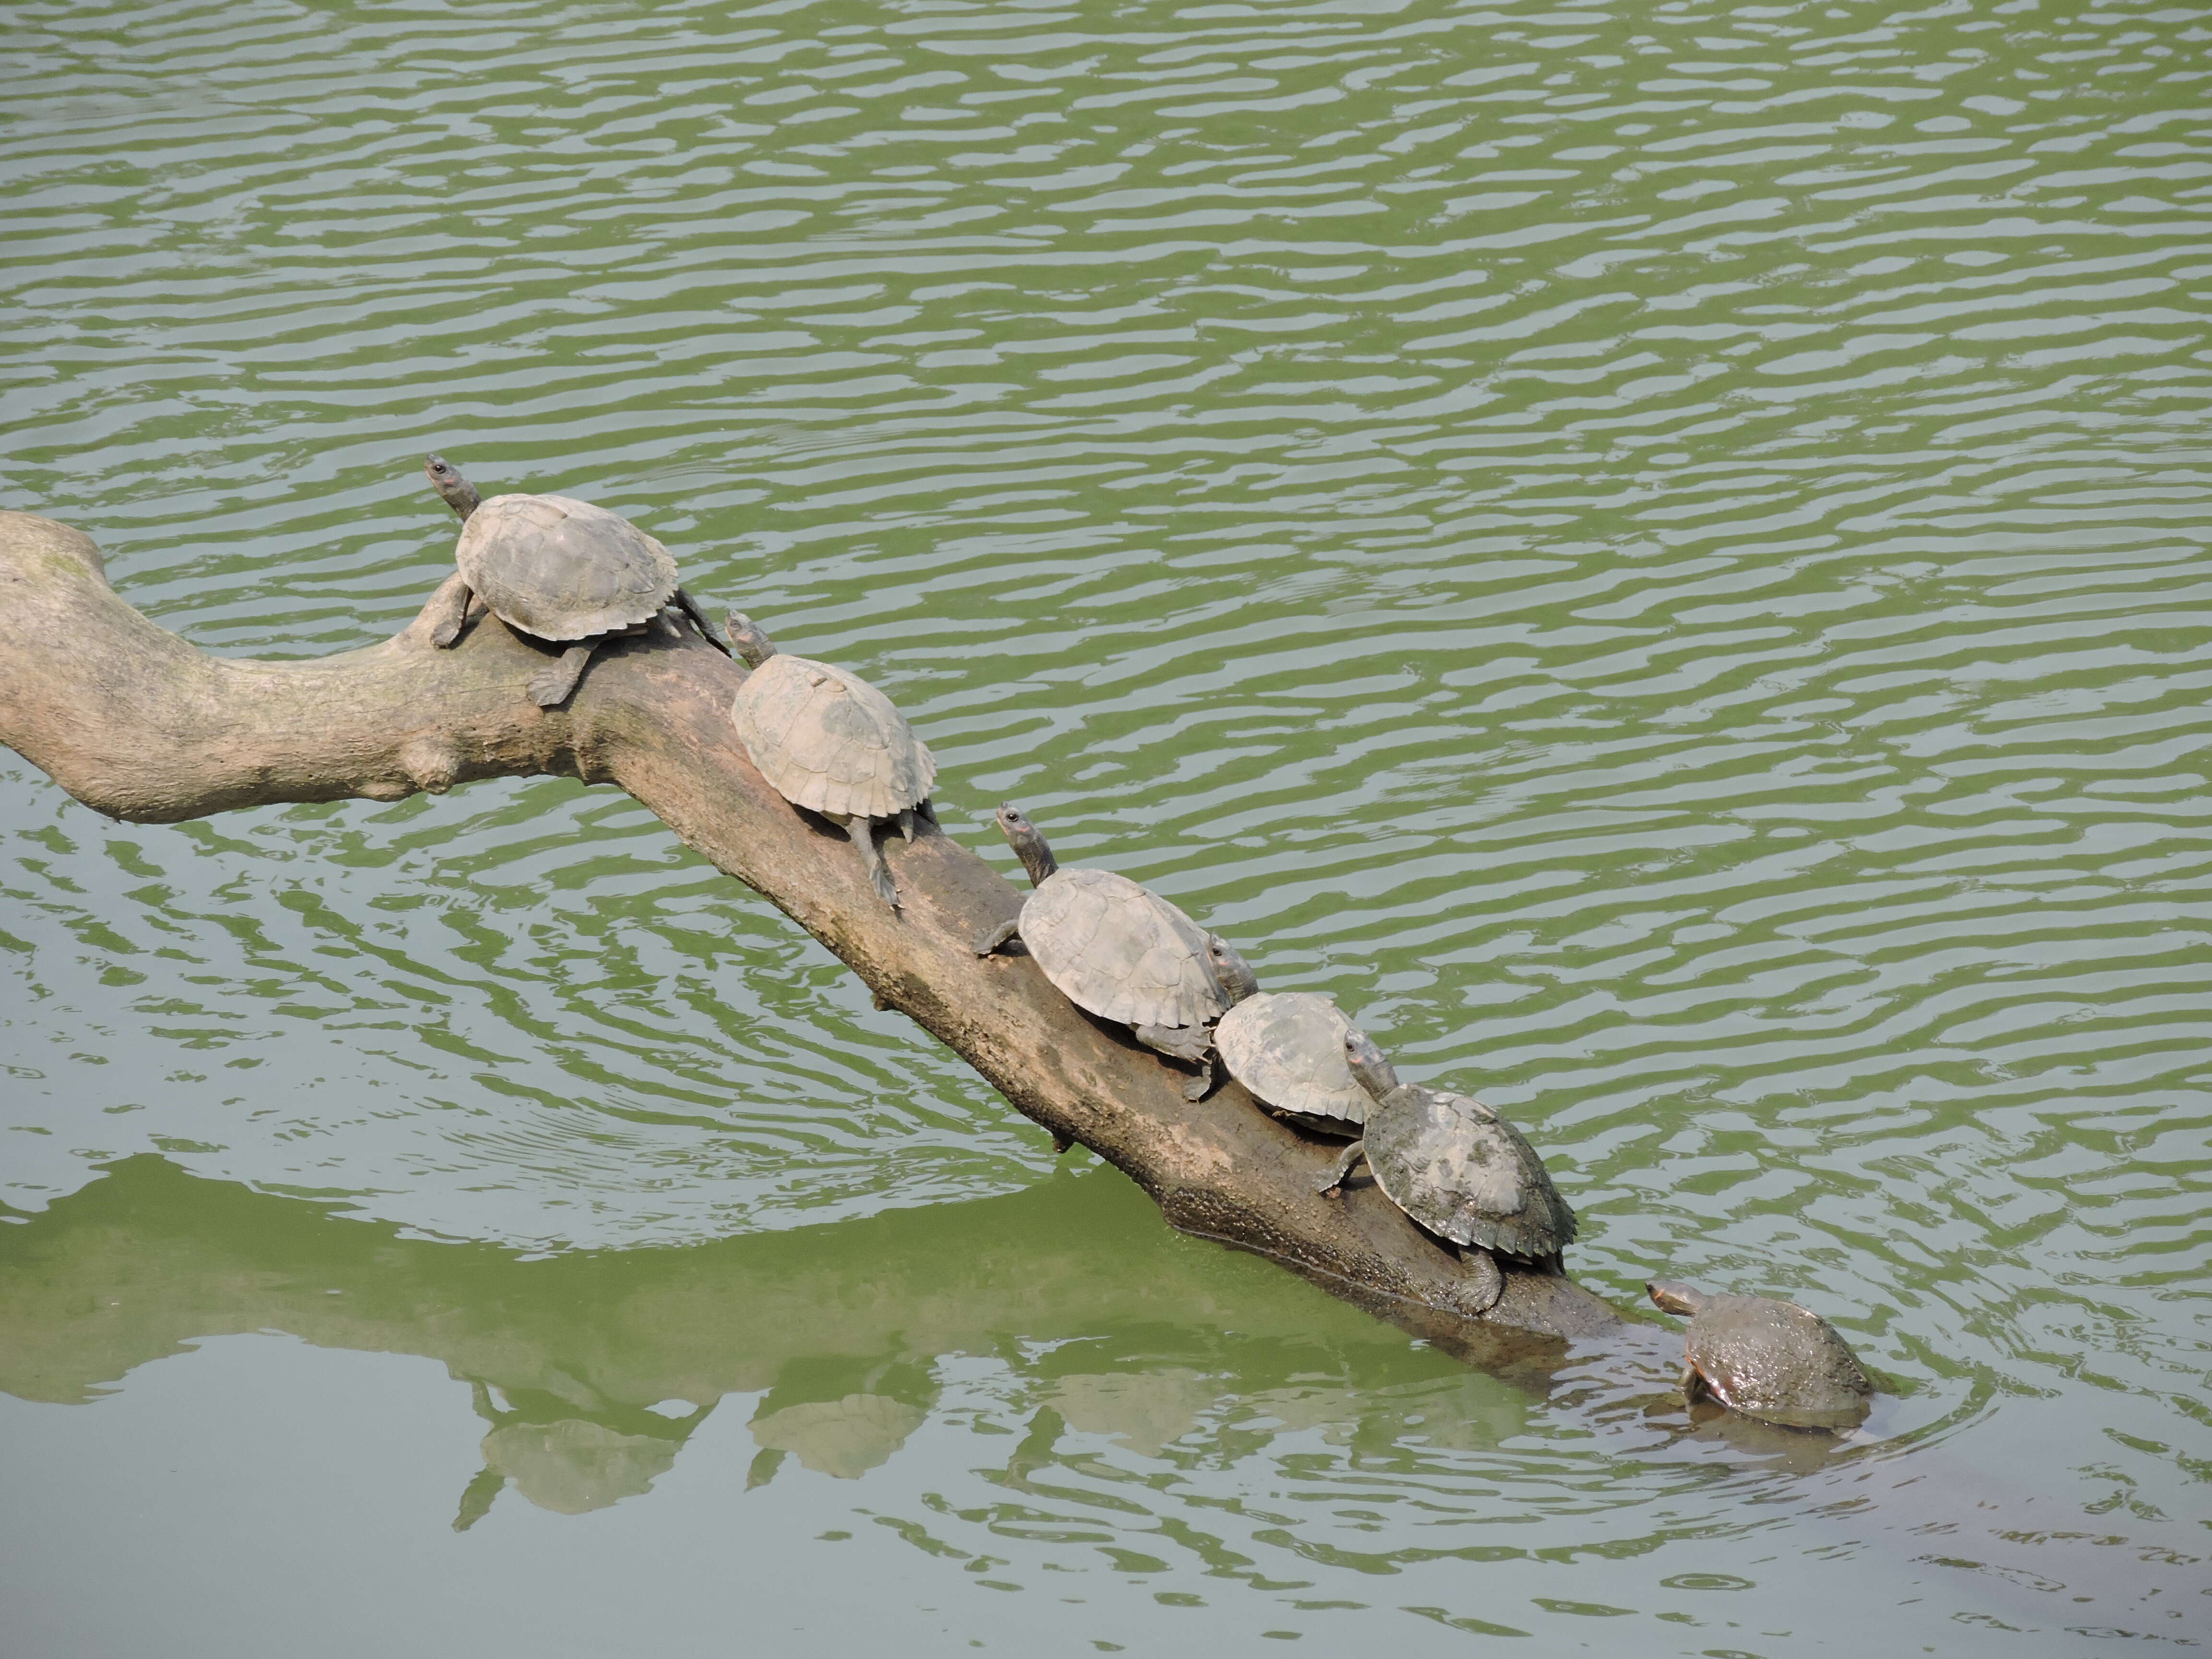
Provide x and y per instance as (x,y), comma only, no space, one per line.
(552,687)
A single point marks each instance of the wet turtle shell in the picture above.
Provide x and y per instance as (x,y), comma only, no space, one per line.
(563,570)
(1769,1359)
(1466,1174)
(1287,1048)
(829,741)
(1120,951)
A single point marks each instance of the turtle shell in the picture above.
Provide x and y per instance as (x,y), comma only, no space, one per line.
(1777,1362)
(1121,952)
(562,569)
(1466,1174)
(830,742)
(1287,1047)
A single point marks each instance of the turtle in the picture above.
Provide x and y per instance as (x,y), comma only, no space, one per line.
(1117,951)
(1454,1165)
(827,740)
(559,570)
(1286,1047)
(1765,1359)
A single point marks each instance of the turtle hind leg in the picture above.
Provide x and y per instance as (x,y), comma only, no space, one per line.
(862,830)
(690,608)
(999,936)
(552,686)
(1330,1184)
(1201,1085)
(456,606)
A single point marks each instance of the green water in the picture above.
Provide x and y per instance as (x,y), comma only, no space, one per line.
(1657,553)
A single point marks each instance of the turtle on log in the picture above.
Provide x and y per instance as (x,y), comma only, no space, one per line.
(1765,1359)
(1452,1163)
(1117,951)
(828,741)
(1286,1047)
(556,570)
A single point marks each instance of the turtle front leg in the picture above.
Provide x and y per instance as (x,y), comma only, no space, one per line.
(997,937)
(1332,1183)
(457,604)
(862,830)
(690,608)
(550,687)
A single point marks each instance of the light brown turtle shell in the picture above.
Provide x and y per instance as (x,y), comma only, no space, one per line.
(829,741)
(1287,1047)
(562,569)
(1776,1361)
(1466,1174)
(1120,951)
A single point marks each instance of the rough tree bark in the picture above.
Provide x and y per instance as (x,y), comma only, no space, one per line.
(136,724)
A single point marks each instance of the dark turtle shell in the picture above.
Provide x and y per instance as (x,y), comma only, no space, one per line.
(1466,1174)
(563,570)
(1769,1359)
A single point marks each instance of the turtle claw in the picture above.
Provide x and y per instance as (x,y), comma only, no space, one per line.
(552,687)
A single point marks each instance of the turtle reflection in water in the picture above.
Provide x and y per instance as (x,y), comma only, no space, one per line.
(1460,1171)
(1768,1359)
(558,570)
(1123,953)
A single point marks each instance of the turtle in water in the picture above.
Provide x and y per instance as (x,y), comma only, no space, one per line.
(1119,951)
(558,570)
(1768,1359)
(1286,1047)
(827,740)
(1453,1165)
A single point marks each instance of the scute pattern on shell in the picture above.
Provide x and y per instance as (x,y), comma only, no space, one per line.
(1120,951)
(1287,1047)
(562,569)
(1776,1361)
(829,741)
(1466,1174)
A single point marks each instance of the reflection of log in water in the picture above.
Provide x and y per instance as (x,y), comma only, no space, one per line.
(591,1370)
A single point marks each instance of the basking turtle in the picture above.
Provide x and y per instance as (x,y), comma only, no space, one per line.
(1453,1165)
(1773,1360)
(1287,1048)
(827,740)
(1116,950)
(559,570)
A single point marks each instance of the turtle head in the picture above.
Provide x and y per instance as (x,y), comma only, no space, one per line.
(1028,844)
(747,640)
(1230,967)
(456,491)
(1369,1069)
(1675,1298)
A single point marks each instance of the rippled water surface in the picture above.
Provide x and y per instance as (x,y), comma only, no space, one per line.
(1655,552)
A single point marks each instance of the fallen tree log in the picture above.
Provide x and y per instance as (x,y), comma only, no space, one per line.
(136,724)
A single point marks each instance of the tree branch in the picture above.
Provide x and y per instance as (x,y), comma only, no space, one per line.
(136,724)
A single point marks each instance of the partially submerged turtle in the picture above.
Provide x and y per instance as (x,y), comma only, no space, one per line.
(1773,1360)
(1453,1165)
(1117,951)
(1287,1048)
(559,570)
(827,740)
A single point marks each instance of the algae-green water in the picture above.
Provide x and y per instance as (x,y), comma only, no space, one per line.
(1655,552)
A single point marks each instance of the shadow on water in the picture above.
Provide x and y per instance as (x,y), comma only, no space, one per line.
(592,1369)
